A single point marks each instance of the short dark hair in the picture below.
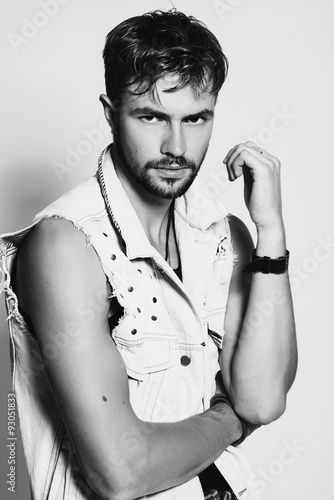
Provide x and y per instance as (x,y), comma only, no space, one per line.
(144,48)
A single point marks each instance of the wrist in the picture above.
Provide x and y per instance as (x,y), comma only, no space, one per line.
(234,427)
(271,241)
(272,225)
(222,406)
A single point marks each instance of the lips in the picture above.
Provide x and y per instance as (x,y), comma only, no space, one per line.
(175,172)
(172,167)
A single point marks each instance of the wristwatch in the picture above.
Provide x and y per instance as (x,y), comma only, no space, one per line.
(267,265)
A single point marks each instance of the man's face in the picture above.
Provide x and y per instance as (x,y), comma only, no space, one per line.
(162,143)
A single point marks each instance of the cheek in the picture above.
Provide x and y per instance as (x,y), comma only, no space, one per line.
(199,142)
(137,136)
(145,142)
(128,139)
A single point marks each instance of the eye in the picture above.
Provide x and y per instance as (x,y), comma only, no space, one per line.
(150,119)
(196,120)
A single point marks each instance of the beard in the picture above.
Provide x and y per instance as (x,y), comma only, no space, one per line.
(167,188)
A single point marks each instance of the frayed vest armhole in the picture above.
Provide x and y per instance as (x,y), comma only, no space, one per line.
(228,231)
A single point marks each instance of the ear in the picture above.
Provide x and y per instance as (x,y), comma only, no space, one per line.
(110,112)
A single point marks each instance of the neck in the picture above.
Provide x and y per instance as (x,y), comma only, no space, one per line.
(151,210)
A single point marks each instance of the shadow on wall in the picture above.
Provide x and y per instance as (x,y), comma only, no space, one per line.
(27,189)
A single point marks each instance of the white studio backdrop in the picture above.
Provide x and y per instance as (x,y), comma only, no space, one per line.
(278,92)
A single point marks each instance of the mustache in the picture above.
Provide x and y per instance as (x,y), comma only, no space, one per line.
(181,161)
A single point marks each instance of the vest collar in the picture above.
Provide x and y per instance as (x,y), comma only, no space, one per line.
(195,208)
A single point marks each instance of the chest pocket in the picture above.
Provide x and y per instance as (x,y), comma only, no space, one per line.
(152,355)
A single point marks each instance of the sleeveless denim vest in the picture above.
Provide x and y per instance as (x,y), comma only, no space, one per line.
(169,335)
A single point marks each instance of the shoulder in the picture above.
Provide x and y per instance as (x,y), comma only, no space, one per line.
(55,256)
(52,238)
(241,239)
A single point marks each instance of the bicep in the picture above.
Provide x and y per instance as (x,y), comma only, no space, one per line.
(237,298)
(67,296)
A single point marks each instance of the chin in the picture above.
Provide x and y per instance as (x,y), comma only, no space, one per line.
(168,190)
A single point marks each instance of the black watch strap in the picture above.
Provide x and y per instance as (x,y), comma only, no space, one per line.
(267,265)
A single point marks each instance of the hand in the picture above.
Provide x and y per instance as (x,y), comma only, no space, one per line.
(262,184)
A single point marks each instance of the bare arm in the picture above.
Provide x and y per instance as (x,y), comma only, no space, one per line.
(259,358)
(121,456)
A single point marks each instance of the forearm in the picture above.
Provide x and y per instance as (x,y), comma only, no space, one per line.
(265,357)
(163,455)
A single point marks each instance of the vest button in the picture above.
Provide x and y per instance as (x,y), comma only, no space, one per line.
(130,289)
(154,318)
(185,360)
(113,256)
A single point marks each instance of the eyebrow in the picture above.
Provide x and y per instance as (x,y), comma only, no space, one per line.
(147,110)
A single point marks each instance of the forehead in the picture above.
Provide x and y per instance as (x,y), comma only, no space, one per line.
(165,98)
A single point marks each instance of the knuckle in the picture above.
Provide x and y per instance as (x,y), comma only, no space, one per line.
(246,154)
(240,146)
(275,163)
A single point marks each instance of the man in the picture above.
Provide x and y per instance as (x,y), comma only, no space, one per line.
(130,307)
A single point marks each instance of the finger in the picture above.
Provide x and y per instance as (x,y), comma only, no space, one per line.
(250,144)
(262,151)
(243,147)
(231,174)
(235,168)
(257,148)
(243,153)
(246,162)
(236,171)
(227,157)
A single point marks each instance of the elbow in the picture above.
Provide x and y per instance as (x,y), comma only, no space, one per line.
(122,493)
(268,415)
(263,413)
(125,491)
(119,494)
(112,492)
(113,487)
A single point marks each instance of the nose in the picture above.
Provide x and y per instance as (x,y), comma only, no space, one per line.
(174,143)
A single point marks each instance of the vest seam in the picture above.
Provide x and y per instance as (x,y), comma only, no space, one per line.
(53,459)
